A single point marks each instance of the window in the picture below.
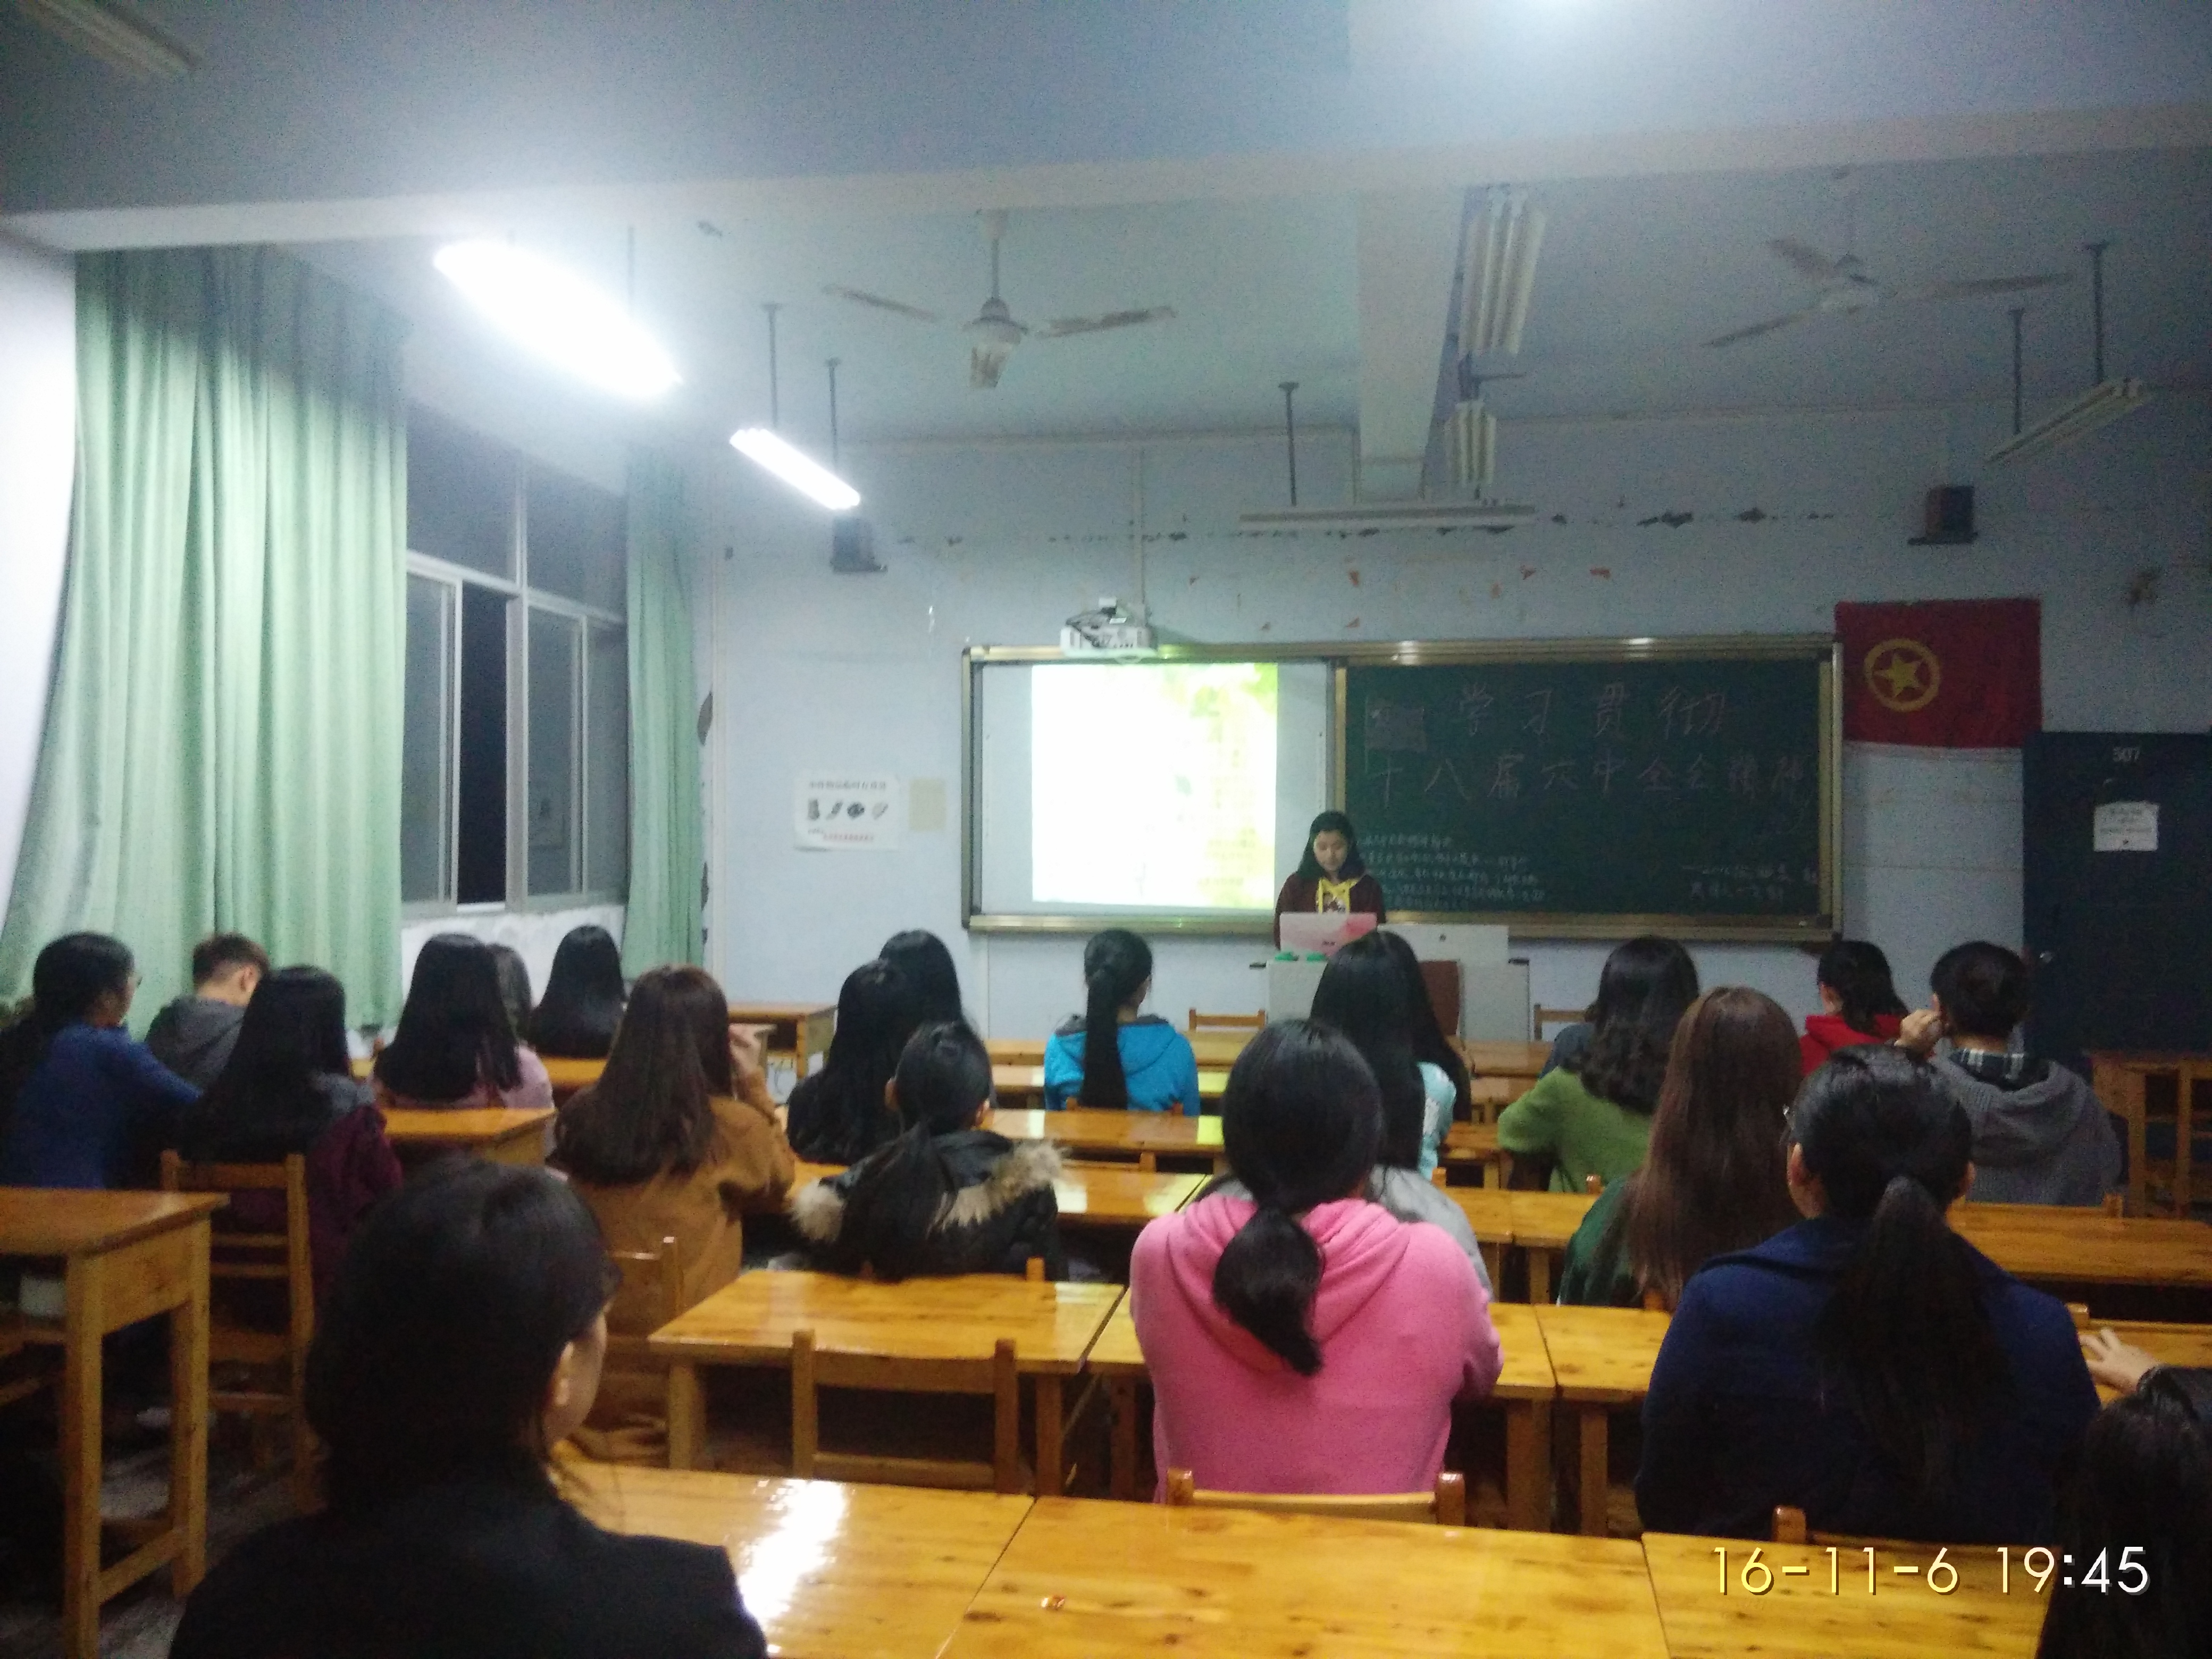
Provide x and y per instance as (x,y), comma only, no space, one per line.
(515,768)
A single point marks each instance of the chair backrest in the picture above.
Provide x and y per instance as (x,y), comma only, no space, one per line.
(1559,1016)
(1446,1505)
(997,1377)
(1790,1528)
(1594,1184)
(1200,1022)
(650,1295)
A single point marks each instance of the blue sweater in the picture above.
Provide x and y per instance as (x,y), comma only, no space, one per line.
(1157,1058)
(95,1102)
(1737,1421)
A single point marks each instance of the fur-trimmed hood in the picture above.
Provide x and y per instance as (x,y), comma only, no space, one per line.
(990,1174)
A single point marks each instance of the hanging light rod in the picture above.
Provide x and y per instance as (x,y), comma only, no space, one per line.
(558,315)
(801,472)
(2101,404)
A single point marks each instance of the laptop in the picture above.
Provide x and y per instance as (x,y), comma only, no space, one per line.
(1307,932)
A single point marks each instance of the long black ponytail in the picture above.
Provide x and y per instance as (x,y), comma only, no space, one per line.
(1299,1122)
(1115,965)
(1858,973)
(1906,1335)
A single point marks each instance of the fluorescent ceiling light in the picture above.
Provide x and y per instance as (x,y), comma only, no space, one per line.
(1498,260)
(1391,515)
(2096,407)
(802,472)
(560,316)
(119,35)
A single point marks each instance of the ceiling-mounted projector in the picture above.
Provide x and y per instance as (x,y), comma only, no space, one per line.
(1108,631)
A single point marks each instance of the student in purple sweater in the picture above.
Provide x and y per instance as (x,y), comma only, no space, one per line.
(1304,1339)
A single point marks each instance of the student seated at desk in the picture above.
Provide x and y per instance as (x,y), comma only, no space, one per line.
(1715,1179)
(838,1114)
(1868,1365)
(584,997)
(944,1197)
(2040,1136)
(1432,1049)
(193,1035)
(2143,1478)
(1302,1339)
(463,1339)
(455,1048)
(290,1088)
(1593,1115)
(1859,1004)
(1113,1055)
(935,983)
(80,1104)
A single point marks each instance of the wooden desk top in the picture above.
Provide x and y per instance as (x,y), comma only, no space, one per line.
(752,1320)
(1504,1059)
(1027,1082)
(1799,1619)
(1489,1210)
(1526,1372)
(1085,1130)
(1115,1353)
(1217,1050)
(2042,1241)
(2147,1061)
(779,1013)
(2170,1345)
(477,1128)
(567,1076)
(1106,1196)
(1546,1221)
(1092,1578)
(1470,1142)
(54,1221)
(1602,1356)
(856,1572)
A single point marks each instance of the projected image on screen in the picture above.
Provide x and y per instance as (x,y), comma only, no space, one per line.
(1153,784)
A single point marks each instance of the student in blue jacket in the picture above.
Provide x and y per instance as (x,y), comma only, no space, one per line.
(1866,1365)
(82,1104)
(1114,1055)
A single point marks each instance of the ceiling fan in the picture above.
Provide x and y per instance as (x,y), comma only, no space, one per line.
(1842,286)
(994,331)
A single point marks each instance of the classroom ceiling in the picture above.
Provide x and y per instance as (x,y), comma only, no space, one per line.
(1635,275)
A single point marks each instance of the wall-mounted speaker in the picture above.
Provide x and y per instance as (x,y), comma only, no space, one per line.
(1947,517)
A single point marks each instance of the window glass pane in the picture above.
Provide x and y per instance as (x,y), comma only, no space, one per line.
(576,533)
(481,865)
(460,495)
(426,750)
(553,817)
(607,764)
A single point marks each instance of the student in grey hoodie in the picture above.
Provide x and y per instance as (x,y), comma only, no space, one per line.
(193,1035)
(2040,1136)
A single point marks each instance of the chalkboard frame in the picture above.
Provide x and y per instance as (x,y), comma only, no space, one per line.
(1821,650)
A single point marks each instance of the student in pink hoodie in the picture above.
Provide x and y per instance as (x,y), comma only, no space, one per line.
(1307,1342)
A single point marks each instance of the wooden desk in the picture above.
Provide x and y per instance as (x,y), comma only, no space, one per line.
(1473,1145)
(1101,1197)
(801,1030)
(1116,1358)
(1023,1088)
(752,1320)
(1216,1050)
(2052,1245)
(1602,1358)
(1098,1579)
(1797,1618)
(1144,1136)
(830,1572)
(2170,1345)
(123,1257)
(567,1076)
(504,1134)
(2120,1081)
(1517,1062)
(1526,1388)
(1542,1224)
(1489,1212)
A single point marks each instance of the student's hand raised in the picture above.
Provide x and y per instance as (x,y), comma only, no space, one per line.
(2115,1364)
(746,1056)
(1921,1029)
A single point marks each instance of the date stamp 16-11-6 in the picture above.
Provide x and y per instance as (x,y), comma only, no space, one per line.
(1861,1570)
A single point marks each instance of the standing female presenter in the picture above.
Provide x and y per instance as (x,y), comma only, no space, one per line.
(1331,877)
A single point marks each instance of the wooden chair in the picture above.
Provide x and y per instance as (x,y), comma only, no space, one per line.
(274,1358)
(650,1295)
(1446,1506)
(1199,1022)
(812,1371)
(24,1368)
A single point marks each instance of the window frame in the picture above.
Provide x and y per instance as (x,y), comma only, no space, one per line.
(588,620)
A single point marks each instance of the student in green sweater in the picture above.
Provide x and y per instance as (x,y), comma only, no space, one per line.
(1593,1115)
(1713,1181)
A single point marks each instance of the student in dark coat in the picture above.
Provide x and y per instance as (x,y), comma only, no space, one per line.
(464,1338)
(1868,1365)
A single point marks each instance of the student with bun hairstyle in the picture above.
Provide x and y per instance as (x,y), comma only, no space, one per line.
(455,1047)
(1866,1365)
(1592,1117)
(1299,1338)
(584,997)
(928,965)
(839,1116)
(678,1139)
(1715,1178)
(1859,1003)
(2040,1135)
(1113,1055)
(463,1339)
(945,1196)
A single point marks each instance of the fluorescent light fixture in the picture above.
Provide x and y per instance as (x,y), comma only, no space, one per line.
(2096,407)
(802,472)
(560,316)
(119,35)
(1497,259)
(1471,445)
(1390,515)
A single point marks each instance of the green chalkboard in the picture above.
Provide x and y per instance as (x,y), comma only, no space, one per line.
(1595,788)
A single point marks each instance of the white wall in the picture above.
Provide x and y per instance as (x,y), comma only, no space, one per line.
(535,933)
(1789,514)
(38,462)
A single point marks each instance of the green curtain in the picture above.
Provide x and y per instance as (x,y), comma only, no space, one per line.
(666,845)
(222,741)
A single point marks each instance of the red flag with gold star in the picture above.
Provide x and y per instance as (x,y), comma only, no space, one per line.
(1943,673)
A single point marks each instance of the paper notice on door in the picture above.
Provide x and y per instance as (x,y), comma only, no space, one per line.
(2124,826)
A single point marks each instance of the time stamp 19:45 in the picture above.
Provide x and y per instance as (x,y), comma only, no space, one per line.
(2030,1571)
